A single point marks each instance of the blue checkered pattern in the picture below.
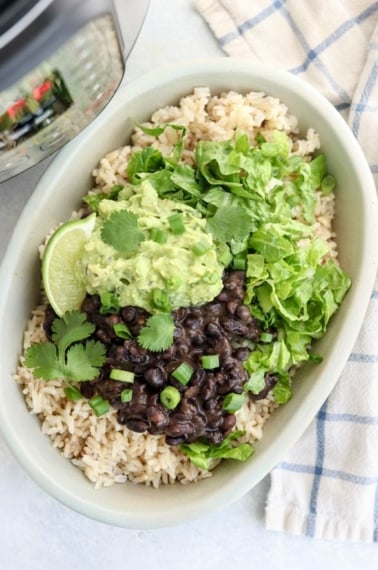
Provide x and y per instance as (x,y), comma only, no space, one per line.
(328,485)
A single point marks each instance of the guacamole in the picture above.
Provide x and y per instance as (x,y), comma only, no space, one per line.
(183,269)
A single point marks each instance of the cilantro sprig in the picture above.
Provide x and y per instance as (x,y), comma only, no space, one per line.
(67,357)
(121,231)
(230,223)
(157,334)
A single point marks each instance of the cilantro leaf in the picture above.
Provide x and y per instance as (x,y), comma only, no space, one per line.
(67,358)
(71,327)
(83,360)
(157,334)
(121,231)
(42,357)
(230,223)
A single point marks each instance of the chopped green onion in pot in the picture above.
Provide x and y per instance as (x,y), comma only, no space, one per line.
(173,283)
(122,330)
(183,373)
(99,405)
(109,303)
(122,375)
(224,255)
(233,402)
(176,223)
(126,395)
(266,337)
(159,236)
(239,262)
(328,184)
(210,361)
(160,300)
(72,394)
(201,247)
(170,397)
(210,278)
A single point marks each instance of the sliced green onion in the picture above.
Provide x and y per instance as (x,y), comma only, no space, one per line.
(109,303)
(99,405)
(160,300)
(183,373)
(170,397)
(233,402)
(126,395)
(159,236)
(210,361)
(224,255)
(239,262)
(201,247)
(210,278)
(266,337)
(122,330)
(72,394)
(176,223)
(173,283)
(328,184)
(122,375)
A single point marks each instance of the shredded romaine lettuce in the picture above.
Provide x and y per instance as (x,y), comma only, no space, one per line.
(248,193)
(259,201)
(204,454)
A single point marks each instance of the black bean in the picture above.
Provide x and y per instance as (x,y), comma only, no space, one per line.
(177,429)
(243,313)
(88,389)
(155,377)
(198,339)
(213,328)
(128,314)
(214,436)
(234,326)
(176,440)
(193,322)
(214,420)
(232,306)
(136,424)
(242,353)
(157,416)
(228,423)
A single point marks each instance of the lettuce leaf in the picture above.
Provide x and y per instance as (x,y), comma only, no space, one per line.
(203,454)
(259,202)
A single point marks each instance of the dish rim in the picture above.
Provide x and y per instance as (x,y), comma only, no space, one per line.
(245,480)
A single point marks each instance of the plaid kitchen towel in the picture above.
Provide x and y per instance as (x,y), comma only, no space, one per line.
(328,485)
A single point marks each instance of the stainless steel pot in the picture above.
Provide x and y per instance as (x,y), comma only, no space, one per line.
(61,61)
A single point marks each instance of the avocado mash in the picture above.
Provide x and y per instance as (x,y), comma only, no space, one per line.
(180,269)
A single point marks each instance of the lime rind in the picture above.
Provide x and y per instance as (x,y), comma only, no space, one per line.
(63,281)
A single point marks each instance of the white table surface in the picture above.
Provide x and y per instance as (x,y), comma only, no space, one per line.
(37,532)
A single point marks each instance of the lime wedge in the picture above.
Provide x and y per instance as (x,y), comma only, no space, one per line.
(63,283)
